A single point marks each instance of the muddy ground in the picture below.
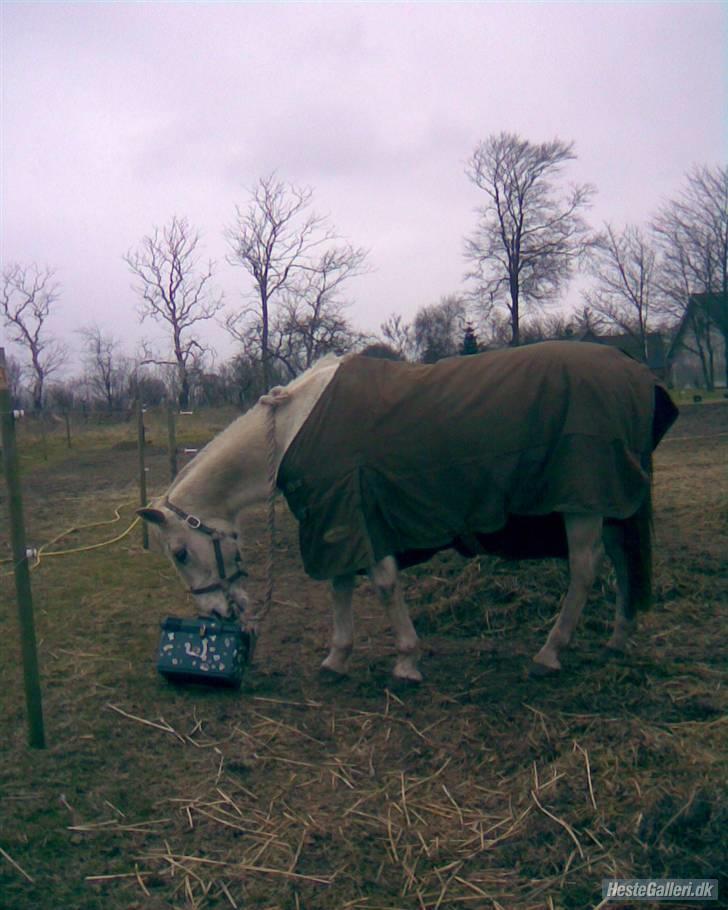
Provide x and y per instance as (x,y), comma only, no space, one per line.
(480,788)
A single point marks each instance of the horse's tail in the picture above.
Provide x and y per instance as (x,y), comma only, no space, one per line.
(637,529)
(637,541)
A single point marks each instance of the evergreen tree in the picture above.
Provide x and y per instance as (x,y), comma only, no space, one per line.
(470,341)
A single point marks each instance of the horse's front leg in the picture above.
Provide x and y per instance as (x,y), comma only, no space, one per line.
(584,537)
(385,577)
(342,634)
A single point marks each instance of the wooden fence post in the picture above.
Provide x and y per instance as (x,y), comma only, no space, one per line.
(141,445)
(31,676)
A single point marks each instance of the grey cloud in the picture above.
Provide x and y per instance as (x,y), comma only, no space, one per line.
(115,116)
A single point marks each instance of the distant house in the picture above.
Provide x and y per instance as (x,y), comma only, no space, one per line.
(697,355)
(656,355)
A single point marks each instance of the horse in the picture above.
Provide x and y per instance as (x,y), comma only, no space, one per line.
(529,452)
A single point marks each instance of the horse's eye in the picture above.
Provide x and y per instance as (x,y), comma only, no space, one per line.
(181,555)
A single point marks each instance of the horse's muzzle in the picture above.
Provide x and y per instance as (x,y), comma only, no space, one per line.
(224,600)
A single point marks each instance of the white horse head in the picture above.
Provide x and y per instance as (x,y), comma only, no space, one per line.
(206,556)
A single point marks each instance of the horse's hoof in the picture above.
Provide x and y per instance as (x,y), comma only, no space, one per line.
(330,675)
(411,678)
(405,682)
(541,671)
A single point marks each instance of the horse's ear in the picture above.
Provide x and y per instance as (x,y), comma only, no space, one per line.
(277,395)
(155,516)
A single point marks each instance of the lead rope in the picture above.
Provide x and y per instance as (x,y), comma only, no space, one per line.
(271,461)
(257,619)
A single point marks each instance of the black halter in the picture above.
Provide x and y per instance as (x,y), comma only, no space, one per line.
(216,535)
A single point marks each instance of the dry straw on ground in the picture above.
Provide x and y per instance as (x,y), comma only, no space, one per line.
(480,789)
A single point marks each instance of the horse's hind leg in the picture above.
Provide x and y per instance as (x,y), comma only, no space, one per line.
(342,634)
(624,621)
(584,536)
(385,577)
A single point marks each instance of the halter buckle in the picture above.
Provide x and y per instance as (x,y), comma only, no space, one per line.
(194,522)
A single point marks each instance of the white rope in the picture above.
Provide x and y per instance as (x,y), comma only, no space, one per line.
(271,463)
(271,401)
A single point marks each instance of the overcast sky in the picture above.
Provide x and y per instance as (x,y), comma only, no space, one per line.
(115,116)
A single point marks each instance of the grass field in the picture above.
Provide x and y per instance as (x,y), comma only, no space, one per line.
(480,788)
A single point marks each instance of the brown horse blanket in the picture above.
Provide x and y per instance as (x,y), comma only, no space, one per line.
(406,459)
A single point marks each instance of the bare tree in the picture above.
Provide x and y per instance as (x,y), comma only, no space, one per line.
(438,329)
(106,368)
(284,246)
(14,375)
(584,320)
(62,396)
(300,335)
(312,321)
(399,335)
(145,379)
(175,290)
(495,329)
(692,234)
(29,295)
(528,235)
(623,265)
(546,327)
(244,376)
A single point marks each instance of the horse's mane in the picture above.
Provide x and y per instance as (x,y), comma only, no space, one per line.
(219,443)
